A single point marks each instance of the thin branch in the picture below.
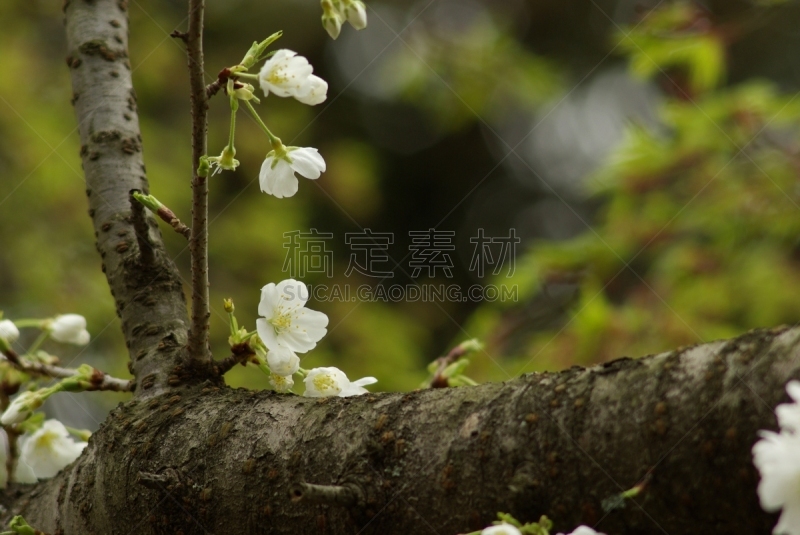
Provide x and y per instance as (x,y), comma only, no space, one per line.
(169,216)
(198,244)
(99,381)
(163,482)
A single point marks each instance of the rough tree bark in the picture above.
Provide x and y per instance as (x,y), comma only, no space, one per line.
(188,455)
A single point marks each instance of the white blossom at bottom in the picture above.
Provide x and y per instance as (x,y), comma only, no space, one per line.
(583,530)
(501,529)
(331,381)
(777,457)
(49,449)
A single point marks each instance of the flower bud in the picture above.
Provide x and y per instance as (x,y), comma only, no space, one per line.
(69,329)
(356,14)
(8,331)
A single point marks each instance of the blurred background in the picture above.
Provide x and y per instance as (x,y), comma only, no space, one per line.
(645,153)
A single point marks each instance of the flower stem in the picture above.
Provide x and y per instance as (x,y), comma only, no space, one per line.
(272,137)
(246,75)
(38,342)
(29,323)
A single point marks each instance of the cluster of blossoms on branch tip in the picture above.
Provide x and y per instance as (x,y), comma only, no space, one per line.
(45,446)
(284,74)
(777,458)
(286,327)
(336,12)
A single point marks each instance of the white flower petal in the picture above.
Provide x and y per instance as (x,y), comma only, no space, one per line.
(364,381)
(8,331)
(285,73)
(292,294)
(501,529)
(313,92)
(283,361)
(50,449)
(296,341)
(269,300)
(267,334)
(325,382)
(69,329)
(307,161)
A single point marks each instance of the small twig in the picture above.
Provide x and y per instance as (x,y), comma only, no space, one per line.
(439,380)
(198,243)
(345,495)
(169,216)
(240,355)
(99,381)
(177,34)
(162,211)
(142,230)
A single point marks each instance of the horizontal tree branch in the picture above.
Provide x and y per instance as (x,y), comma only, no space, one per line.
(445,460)
(103,381)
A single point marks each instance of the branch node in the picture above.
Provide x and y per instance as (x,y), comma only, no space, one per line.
(240,353)
(142,230)
(347,495)
(163,482)
(177,34)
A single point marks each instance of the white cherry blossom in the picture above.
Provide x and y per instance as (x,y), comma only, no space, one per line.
(331,381)
(288,75)
(277,176)
(286,322)
(501,529)
(313,92)
(69,329)
(356,14)
(583,530)
(281,383)
(283,361)
(777,458)
(49,449)
(8,331)
(789,413)
(356,388)
(22,407)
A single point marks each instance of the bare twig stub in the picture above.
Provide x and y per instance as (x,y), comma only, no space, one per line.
(142,230)
(346,495)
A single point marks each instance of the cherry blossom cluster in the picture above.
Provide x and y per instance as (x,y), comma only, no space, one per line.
(283,74)
(336,12)
(777,457)
(285,328)
(45,446)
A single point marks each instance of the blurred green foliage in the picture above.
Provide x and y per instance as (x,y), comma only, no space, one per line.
(698,237)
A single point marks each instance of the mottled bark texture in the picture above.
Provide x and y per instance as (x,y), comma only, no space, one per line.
(189,458)
(147,287)
(442,460)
